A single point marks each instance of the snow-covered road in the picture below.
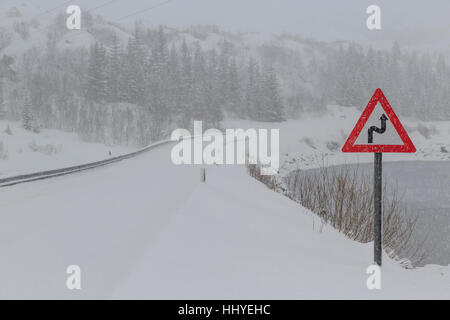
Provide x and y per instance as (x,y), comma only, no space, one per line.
(144,228)
(101,220)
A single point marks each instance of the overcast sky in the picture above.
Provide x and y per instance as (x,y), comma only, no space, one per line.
(415,23)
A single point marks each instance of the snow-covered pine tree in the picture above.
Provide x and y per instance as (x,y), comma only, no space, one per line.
(442,78)
(135,67)
(113,76)
(2,102)
(92,74)
(253,94)
(210,88)
(186,87)
(97,89)
(27,115)
(173,81)
(158,72)
(234,90)
(160,53)
(214,99)
(222,75)
(272,104)
(199,106)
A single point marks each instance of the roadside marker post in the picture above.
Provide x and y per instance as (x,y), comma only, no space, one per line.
(378,130)
(203,175)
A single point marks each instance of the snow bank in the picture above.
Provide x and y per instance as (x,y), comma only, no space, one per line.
(236,239)
(28,152)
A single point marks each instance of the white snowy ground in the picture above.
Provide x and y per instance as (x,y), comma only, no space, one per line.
(315,140)
(26,152)
(144,228)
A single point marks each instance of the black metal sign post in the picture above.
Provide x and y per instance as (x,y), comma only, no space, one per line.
(378,214)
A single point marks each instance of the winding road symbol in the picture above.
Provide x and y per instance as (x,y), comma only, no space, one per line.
(381,130)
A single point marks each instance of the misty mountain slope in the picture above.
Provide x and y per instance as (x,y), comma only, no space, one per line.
(133,85)
(21,32)
(236,239)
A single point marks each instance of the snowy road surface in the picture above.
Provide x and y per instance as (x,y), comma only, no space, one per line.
(144,228)
(101,220)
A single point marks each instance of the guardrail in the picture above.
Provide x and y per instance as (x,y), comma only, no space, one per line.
(24,178)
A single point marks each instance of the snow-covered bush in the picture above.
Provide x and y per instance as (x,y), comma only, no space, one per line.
(8,131)
(255,172)
(309,142)
(13,13)
(36,129)
(22,28)
(425,130)
(5,38)
(34,23)
(47,149)
(343,198)
(332,146)
(3,152)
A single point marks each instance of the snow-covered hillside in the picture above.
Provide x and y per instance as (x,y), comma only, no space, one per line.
(23,151)
(144,228)
(21,31)
(316,140)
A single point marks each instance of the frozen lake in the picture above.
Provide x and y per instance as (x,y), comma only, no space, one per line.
(425,190)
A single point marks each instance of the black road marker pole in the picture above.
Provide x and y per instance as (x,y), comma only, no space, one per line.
(378,220)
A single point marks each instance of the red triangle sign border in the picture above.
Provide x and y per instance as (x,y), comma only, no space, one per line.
(350,146)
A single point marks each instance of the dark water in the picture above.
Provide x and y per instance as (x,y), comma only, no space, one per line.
(425,190)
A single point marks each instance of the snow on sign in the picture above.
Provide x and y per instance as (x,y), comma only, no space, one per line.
(378,129)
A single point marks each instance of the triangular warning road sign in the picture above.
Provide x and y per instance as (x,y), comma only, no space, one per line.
(368,145)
